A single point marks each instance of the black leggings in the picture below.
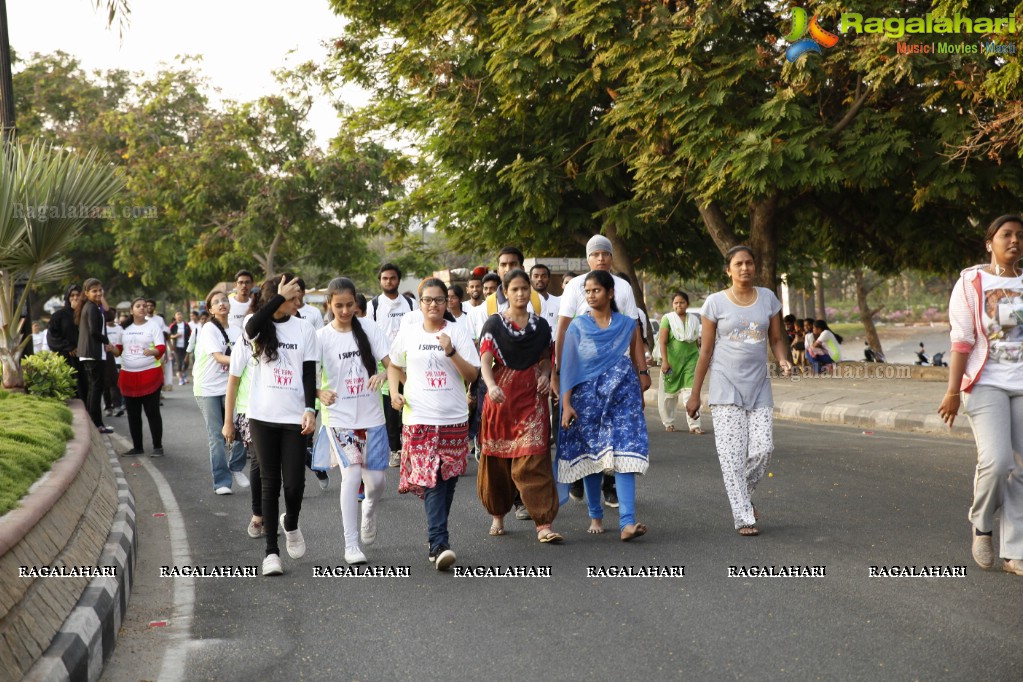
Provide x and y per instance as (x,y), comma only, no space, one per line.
(280,449)
(151,404)
(93,370)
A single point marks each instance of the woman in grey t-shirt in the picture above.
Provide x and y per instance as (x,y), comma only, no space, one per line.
(738,323)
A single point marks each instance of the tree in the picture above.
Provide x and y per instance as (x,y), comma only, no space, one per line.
(675,125)
(42,192)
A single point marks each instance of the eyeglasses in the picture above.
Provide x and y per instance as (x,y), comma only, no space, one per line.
(431,300)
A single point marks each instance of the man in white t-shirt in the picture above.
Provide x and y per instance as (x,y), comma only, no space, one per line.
(240,299)
(474,289)
(573,302)
(386,310)
(161,324)
(307,312)
(540,279)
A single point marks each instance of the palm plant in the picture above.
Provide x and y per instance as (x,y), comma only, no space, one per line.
(47,197)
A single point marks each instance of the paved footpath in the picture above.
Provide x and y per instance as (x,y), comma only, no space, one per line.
(840,499)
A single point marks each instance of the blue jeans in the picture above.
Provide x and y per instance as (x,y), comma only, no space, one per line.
(626,486)
(212,408)
(437,501)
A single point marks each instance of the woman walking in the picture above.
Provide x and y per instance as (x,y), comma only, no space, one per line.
(92,348)
(142,350)
(435,360)
(282,412)
(602,423)
(986,367)
(515,357)
(209,385)
(738,324)
(353,416)
(678,339)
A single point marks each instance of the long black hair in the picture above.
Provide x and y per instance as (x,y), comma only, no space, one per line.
(604,279)
(823,326)
(340,285)
(266,342)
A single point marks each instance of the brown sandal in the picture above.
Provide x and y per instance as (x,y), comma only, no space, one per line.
(550,536)
(749,531)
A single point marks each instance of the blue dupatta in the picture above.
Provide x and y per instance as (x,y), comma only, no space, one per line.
(589,351)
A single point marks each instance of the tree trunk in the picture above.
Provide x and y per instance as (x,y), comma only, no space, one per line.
(866,314)
(762,241)
(818,285)
(762,238)
(13,379)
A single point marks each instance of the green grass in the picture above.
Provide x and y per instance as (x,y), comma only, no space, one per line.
(34,433)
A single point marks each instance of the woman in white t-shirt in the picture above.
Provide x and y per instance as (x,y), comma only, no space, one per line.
(281,410)
(986,369)
(209,385)
(141,348)
(435,360)
(353,416)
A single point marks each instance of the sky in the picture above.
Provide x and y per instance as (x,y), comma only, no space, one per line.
(241,41)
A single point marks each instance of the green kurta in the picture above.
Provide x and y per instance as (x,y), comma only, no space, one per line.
(682,356)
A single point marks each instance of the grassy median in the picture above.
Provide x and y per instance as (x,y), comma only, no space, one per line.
(34,433)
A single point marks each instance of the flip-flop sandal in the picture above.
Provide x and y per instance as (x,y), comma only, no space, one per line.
(551,536)
(496,530)
(749,531)
(669,429)
(697,431)
(638,529)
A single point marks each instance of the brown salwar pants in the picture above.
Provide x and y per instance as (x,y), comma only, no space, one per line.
(498,477)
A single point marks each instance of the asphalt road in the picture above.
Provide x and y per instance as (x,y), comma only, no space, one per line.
(838,498)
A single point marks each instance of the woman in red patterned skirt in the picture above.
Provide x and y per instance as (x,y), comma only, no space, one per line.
(515,350)
(435,360)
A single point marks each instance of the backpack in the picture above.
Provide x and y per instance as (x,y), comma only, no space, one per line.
(376,304)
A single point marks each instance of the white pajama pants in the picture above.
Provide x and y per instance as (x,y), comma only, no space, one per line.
(667,406)
(744,441)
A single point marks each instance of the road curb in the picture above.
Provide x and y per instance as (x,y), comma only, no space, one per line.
(87,637)
(848,415)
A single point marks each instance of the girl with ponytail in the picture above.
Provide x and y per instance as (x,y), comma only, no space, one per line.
(353,416)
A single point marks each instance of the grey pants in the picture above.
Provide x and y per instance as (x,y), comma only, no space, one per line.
(997,419)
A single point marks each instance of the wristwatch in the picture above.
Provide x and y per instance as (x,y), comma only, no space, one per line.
(453,351)
(644,372)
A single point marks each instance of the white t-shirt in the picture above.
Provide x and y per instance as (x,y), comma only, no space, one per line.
(114,333)
(179,342)
(549,310)
(160,323)
(39,342)
(311,315)
(342,370)
(573,301)
(477,317)
(135,339)
(388,316)
(209,377)
(1001,316)
(276,393)
(238,311)
(434,390)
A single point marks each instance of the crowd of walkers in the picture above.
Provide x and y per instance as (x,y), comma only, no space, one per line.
(506,370)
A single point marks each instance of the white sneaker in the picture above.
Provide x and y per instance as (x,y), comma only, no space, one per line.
(272,565)
(369,529)
(256,529)
(223,490)
(294,541)
(354,556)
(240,479)
(395,459)
(445,559)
